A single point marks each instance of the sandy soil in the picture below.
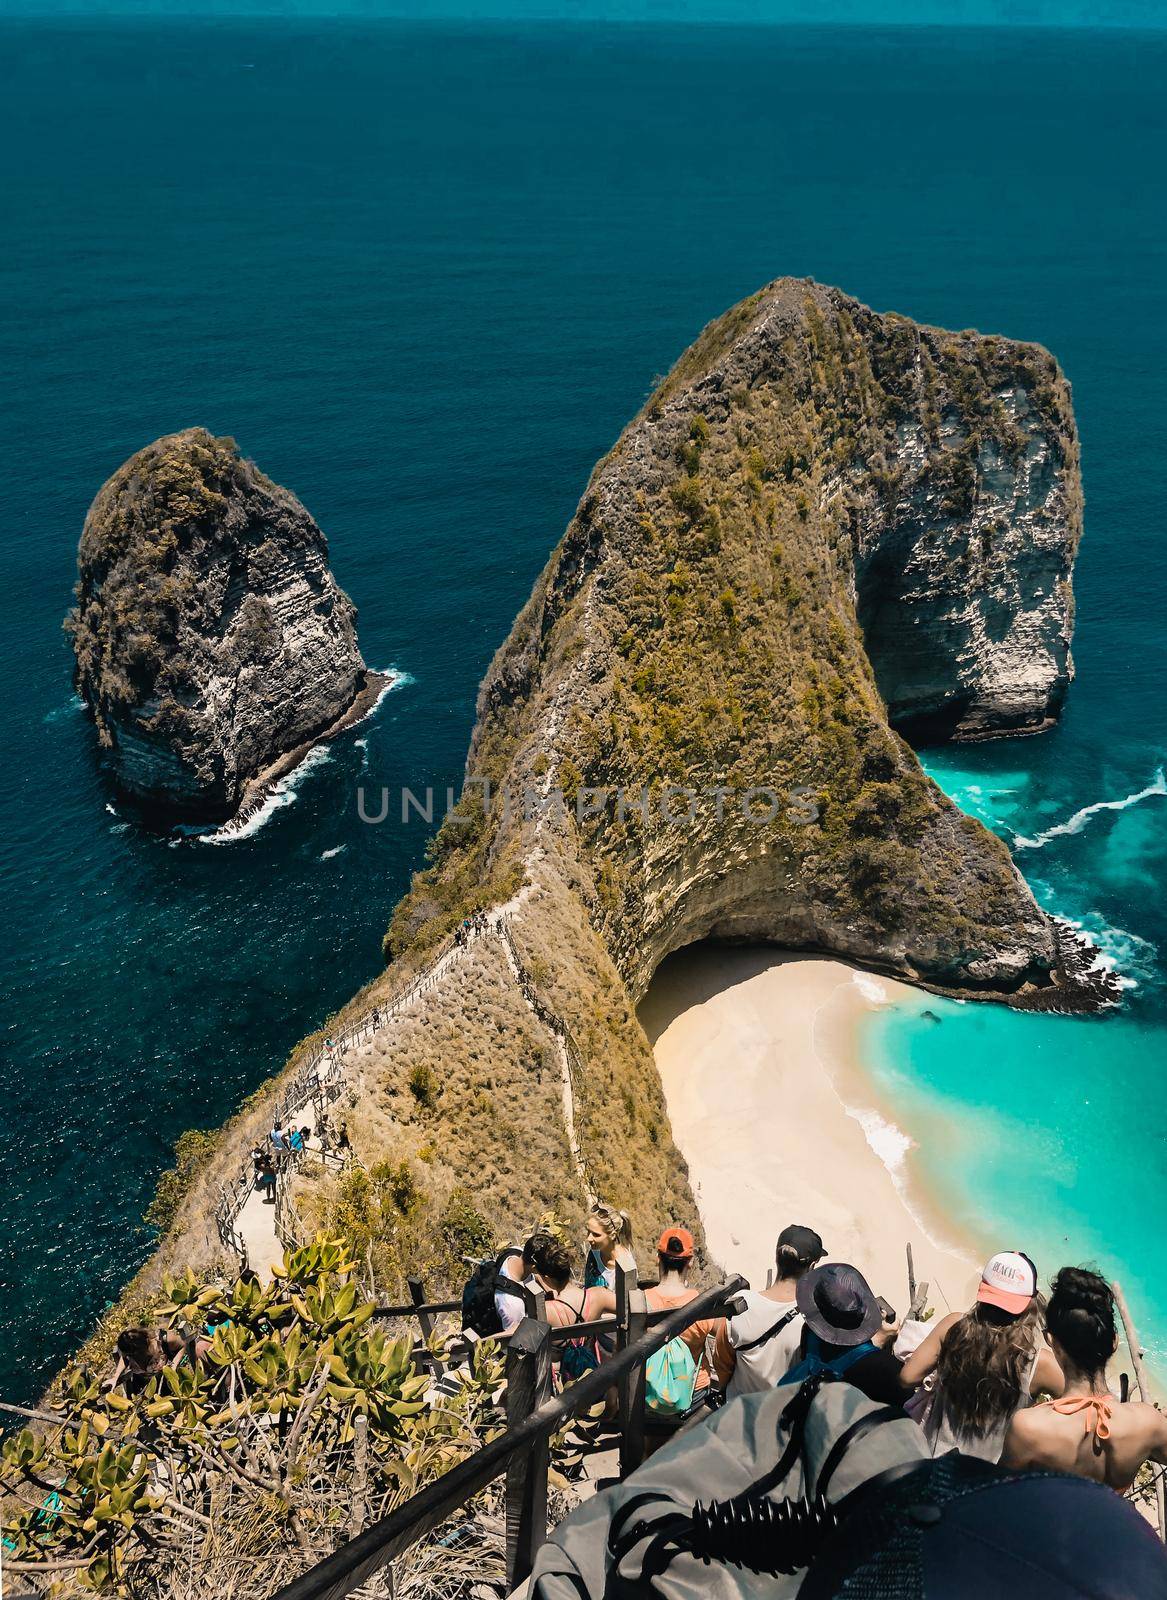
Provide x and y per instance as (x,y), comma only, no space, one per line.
(770,1106)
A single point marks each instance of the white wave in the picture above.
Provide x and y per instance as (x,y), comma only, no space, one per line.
(111,808)
(282,794)
(890,1144)
(1133,959)
(337,849)
(397,680)
(72,705)
(1079,820)
(870,988)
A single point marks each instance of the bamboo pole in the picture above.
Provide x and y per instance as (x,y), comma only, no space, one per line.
(1134,1345)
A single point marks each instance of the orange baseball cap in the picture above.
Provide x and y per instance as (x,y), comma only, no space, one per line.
(1009,1281)
(677,1244)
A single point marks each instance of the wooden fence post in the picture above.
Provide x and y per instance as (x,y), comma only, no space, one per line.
(356,1519)
(1134,1345)
(528,1373)
(425,1321)
(632,1317)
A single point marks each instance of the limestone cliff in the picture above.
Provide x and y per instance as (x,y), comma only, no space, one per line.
(824,520)
(824,523)
(212,642)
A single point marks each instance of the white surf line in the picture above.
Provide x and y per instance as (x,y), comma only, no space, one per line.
(897,1177)
(1078,821)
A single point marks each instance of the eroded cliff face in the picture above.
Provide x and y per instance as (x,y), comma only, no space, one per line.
(825,522)
(685,735)
(211,639)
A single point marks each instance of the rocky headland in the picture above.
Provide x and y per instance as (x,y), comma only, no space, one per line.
(826,525)
(213,645)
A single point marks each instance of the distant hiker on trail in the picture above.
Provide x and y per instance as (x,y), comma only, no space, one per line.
(978,1370)
(567,1303)
(277,1138)
(1087,1431)
(295,1140)
(845,1333)
(265,1177)
(609,1245)
(754,1350)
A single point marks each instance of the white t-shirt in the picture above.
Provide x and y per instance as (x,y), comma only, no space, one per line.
(510,1307)
(766,1364)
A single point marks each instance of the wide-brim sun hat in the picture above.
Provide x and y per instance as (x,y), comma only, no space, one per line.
(838,1305)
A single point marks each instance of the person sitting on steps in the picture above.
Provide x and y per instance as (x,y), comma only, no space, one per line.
(980,1368)
(753,1350)
(1086,1431)
(568,1303)
(846,1333)
(675,1250)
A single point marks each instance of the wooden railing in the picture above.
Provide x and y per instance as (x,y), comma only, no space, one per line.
(533,1414)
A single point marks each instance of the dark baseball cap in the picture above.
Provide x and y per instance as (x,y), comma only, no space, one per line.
(838,1304)
(804,1243)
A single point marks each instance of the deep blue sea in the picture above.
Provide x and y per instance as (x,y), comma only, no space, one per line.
(424,274)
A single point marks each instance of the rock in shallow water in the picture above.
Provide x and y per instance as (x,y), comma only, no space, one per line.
(212,642)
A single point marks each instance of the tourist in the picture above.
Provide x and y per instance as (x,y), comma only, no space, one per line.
(143,1352)
(567,1303)
(265,1178)
(753,1350)
(1085,1431)
(609,1246)
(277,1137)
(980,1368)
(295,1140)
(518,1266)
(845,1333)
(674,1253)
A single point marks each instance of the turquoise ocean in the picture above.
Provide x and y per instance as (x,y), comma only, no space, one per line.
(424,274)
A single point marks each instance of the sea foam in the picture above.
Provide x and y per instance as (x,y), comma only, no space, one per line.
(1081,818)
(282,794)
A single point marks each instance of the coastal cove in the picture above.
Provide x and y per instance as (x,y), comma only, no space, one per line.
(431,340)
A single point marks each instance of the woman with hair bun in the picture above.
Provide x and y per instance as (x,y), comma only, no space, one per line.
(1086,1431)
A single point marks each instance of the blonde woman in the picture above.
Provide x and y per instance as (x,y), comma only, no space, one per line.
(609,1246)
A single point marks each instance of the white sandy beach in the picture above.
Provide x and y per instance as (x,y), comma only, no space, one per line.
(769,1105)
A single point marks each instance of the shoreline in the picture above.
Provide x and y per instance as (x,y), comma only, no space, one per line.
(779,1121)
(264,787)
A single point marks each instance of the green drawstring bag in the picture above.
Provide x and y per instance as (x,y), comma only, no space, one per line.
(670,1377)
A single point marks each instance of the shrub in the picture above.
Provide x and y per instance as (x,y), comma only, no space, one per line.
(423,1084)
(191,1153)
(464,1229)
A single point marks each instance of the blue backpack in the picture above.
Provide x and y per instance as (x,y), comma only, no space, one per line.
(670,1378)
(577,1356)
(812,1362)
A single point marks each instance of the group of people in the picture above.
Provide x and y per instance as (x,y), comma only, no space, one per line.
(1015,1379)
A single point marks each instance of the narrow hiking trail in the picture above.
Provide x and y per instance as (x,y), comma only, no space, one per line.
(256,1227)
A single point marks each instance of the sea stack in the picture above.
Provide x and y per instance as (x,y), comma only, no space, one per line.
(213,645)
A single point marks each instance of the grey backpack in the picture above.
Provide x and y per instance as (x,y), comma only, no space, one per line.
(774,1463)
